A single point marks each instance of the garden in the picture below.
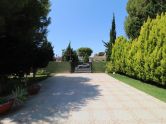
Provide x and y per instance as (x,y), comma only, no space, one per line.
(24,50)
(16,91)
(138,60)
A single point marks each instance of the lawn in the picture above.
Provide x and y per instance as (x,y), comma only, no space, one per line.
(157,92)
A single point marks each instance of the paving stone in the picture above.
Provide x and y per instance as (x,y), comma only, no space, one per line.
(87,98)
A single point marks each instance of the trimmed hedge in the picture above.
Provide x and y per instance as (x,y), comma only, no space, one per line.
(98,67)
(145,57)
(58,67)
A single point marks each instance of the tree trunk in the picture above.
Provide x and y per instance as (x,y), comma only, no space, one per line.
(3,83)
(34,72)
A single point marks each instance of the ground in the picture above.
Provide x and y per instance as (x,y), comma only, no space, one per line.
(88,99)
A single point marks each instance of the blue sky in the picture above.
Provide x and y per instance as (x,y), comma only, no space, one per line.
(84,22)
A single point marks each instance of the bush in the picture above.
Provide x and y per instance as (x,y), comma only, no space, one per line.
(42,72)
(86,59)
(2,101)
(145,57)
(58,67)
(20,95)
(99,67)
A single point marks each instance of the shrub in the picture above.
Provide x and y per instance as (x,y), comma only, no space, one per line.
(42,72)
(2,101)
(143,58)
(99,67)
(20,95)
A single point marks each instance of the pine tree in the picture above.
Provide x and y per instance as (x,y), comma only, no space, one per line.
(138,13)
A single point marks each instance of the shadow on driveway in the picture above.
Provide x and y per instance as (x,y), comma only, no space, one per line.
(58,97)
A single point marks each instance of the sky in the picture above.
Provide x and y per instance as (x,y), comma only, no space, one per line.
(84,23)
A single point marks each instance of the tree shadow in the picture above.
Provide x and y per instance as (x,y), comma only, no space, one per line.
(58,97)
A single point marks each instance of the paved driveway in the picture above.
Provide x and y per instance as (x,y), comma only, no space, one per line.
(88,99)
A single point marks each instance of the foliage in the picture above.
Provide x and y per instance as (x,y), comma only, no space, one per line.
(101,53)
(42,72)
(75,58)
(36,80)
(98,67)
(109,44)
(23,36)
(86,59)
(20,95)
(69,55)
(145,57)
(138,13)
(44,54)
(152,90)
(2,101)
(84,51)
(58,67)
(14,82)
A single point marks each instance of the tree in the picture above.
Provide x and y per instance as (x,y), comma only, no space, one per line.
(43,56)
(23,35)
(143,58)
(24,31)
(86,59)
(83,51)
(139,11)
(101,53)
(75,58)
(69,54)
(14,37)
(109,44)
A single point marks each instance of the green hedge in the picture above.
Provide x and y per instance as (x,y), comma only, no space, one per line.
(98,67)
(145,57)
(58,67)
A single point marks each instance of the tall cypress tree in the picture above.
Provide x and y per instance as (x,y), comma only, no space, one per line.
(109,44)
(113,31)
(145,57)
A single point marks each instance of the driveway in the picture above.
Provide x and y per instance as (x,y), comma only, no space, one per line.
(88,99)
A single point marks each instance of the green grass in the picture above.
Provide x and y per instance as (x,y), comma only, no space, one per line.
(58,67)
(157,92)
(98,67)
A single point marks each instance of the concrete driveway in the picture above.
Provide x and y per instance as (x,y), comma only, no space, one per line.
(88,99)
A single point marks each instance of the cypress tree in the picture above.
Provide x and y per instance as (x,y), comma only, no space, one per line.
(145,57)
(109,44)
(113,31)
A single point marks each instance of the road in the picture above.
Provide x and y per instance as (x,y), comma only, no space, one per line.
(88,98)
